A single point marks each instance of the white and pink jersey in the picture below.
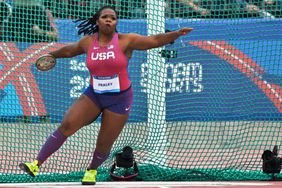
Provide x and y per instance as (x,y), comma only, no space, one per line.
(107,66)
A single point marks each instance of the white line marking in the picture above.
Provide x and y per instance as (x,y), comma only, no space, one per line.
(31,102)
(142,184)
(24,60)
(247,66)
(26,86)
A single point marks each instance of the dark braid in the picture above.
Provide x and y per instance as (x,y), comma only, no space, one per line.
(88,26)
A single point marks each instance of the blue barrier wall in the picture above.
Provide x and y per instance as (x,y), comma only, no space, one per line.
(200,85)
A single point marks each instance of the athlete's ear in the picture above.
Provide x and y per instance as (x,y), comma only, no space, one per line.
(97,20)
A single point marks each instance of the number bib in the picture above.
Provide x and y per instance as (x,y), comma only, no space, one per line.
(106,84)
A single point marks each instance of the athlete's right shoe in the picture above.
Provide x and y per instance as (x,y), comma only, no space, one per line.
(30,168)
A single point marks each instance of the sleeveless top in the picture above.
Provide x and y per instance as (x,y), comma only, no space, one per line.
(107,66)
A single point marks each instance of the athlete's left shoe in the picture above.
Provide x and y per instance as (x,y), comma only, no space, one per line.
(30,168)
(89,177)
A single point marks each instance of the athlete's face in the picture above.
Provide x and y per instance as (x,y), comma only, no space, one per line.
(107,21)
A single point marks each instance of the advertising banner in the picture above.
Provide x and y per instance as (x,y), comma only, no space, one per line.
(210,75)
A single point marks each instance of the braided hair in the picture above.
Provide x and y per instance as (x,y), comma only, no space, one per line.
(88,26)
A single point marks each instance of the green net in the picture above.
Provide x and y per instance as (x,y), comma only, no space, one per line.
(205,107)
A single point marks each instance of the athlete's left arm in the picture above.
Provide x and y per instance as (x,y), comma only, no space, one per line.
(140,42)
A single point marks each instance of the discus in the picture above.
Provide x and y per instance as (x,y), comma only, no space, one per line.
(45,62)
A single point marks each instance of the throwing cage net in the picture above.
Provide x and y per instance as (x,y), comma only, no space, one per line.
(205,107)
